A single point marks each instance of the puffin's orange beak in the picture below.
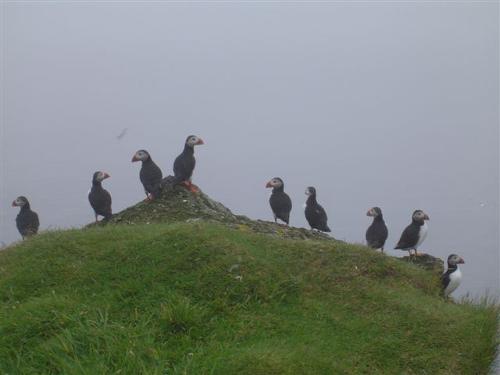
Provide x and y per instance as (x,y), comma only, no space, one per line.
(426,217)
(200,142)
(369,212)
(461,261)
(106,175)
(14,204)
(268,185)
(135,158)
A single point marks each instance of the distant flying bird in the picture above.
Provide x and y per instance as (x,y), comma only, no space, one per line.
(315,214)
(415,233)
(184,163)
(99,198)
(280,202)
(122,134)
(27,220)
(451,279)
(377,232)
(150,174)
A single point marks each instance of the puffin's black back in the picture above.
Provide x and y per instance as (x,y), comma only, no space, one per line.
(100,200)
(27,222)
(445,277)
(316,214)
(409,237)
(151,177)
(317,219)
(377,233)
(184,164)
(281,204)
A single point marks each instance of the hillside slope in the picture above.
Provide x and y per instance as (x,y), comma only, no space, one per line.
(211,298)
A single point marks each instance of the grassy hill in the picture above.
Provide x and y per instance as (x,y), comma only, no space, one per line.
(202,297)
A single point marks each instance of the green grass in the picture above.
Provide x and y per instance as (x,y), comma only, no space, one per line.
(205,299)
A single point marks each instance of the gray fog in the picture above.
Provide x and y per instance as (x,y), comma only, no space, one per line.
(387,104)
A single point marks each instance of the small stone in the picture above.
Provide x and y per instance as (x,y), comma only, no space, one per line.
(234,267)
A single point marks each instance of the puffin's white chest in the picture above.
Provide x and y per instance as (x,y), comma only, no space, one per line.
(455,280)
(422,234)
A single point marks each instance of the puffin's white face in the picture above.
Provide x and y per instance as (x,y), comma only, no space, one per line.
(374,212)
(310,191)
(454,259)
(420,216)
(274,183)
(19,202)
(193,140)
(101,176)
(140,155)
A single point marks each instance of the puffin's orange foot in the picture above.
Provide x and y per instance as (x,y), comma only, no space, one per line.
(190,186)
(193,188)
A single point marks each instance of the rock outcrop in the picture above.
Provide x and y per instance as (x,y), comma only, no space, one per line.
(177,204)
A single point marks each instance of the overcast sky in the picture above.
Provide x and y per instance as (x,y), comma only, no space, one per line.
(387,104)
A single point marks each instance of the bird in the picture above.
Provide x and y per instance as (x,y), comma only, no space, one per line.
(280,202)
(315,214)
(122,134)
(450,280)
(184,163)
(415,233)
(377,232)
(27,221)
(150,174)
(99,198)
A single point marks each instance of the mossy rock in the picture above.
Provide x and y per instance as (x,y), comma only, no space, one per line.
(177,204)
(426,261)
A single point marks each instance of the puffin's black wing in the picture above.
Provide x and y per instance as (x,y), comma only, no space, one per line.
(281,204)
(445,278)
(409,237)
(322,219)
(376,235)
(151,177)
(317,218)
(27,223)
(184,166)
(100,200)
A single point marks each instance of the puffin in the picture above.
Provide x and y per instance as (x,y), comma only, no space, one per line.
(150,174)
(184,163)
(315,214)
(280,202)
(415,233)
(450,280)
(99,198)
(27,220)
(377,232)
